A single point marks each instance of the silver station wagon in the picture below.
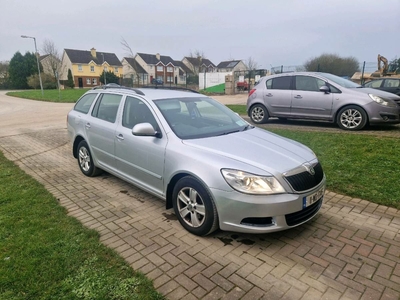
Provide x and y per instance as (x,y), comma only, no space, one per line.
(321,96)
(210,165)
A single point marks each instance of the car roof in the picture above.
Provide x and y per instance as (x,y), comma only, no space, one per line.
(151,93)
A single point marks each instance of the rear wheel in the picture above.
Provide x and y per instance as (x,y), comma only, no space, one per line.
(352,118)
(259,114)
(194,207)
(85,160)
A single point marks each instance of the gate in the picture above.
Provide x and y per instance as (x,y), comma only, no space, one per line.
(244,81)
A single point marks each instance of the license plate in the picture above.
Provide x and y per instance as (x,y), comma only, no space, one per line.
(314,197)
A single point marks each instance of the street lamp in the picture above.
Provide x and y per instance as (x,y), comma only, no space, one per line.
(37,59)
(105,80)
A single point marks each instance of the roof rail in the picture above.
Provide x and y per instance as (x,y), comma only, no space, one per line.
(117,86)
(163,87)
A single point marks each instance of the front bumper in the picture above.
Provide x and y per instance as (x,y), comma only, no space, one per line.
(264,213)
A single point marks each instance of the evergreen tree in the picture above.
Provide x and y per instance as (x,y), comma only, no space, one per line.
(70,80)
(110,77)
(21,67)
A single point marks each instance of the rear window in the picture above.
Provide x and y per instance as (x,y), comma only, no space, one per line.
(84,103)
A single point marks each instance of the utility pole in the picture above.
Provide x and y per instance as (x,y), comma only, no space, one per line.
(37,60)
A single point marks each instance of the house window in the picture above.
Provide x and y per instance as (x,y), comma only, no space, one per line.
(94,80)
(160,68)
(116,70)
(91,68)
(170,79)
(105,69)
(176,68)
(79,67)
(88,81)
(170,69)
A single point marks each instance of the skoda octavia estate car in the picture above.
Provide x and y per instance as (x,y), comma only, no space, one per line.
(210,165)
(321,96)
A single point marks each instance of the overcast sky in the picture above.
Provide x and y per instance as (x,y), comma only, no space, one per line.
(272,32)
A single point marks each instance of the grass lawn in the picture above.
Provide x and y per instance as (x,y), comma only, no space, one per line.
(360,166)
(66,96)
(45,254)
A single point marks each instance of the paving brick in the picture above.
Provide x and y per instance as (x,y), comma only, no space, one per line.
(348,235)
(235,293)
(216,293)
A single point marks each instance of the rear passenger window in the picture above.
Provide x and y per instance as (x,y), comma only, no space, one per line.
(106,107)
(84,103)
(281,83)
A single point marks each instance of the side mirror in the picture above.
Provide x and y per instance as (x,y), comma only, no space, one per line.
(145,129)
(325,89)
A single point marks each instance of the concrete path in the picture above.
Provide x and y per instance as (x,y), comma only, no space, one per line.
(351,250)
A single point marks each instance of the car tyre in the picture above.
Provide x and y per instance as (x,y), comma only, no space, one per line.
(259,114)
(85,160)
(352,117)
(194,206)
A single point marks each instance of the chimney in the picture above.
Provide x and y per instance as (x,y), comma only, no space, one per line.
(93,52)
(158,56)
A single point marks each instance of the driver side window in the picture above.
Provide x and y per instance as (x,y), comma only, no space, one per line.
(135,112)
(308,83)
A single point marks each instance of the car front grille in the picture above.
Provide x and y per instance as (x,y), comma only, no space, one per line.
(305,181)
(301,216)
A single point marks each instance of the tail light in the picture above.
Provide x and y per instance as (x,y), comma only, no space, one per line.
(251,92)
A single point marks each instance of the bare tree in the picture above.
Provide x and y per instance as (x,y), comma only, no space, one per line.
(199,56)
(52,62)
(129,53)
(251,64)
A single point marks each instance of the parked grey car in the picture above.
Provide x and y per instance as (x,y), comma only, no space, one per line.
(321,96)
(391,85)
(209,164)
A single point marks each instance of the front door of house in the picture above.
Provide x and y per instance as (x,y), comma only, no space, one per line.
(80,82)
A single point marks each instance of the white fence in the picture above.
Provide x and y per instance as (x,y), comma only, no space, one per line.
(212,79)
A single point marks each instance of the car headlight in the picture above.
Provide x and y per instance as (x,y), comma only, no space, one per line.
(381,101)
(252,184)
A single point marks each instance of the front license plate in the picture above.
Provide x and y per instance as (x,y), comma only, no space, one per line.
(314,197)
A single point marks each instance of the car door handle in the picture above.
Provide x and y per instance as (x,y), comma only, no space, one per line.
(87,125)
(120,137)
(269,95)
(298,97)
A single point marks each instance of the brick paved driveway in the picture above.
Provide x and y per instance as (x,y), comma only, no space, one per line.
(351,250)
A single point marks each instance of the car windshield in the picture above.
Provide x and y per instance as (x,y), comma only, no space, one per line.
(200,117)
(341,81)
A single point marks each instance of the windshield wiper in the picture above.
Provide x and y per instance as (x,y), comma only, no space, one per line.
(248,126)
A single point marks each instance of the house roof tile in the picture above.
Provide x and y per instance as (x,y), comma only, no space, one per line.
(135,65)
(84,57)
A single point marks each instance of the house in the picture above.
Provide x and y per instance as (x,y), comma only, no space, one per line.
(133,72)
(160,67)
(51,64)
(231,66)
(198,64)
(87,66)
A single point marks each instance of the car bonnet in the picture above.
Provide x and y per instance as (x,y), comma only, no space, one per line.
(257,148)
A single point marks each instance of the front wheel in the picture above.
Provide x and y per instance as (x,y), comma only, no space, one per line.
(85,160)
(259,114)
(352,118)
(194,207)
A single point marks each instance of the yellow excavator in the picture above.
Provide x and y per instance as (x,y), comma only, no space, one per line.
(385,69)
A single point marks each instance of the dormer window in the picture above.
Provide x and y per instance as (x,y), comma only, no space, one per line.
(160,68)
